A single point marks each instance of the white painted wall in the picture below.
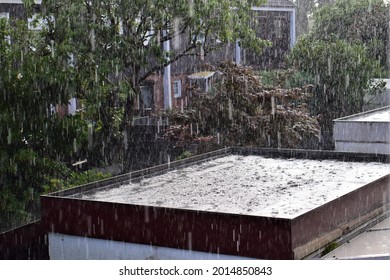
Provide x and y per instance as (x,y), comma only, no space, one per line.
(367,132)
(72,106)
(68,247)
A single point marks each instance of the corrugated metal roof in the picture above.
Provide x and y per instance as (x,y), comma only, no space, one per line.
(279,3)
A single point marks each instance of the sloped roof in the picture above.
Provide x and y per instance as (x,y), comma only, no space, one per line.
(280,3)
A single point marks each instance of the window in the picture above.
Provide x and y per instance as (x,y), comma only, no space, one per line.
(177,88)
(37,22)
(278,28)
(146,101)
(4,15)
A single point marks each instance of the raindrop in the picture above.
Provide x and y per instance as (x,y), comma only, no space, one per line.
(176,39)
(90,136)
(74,145)
(190,241)
(191,8)
(273,106)
(230,110)
(96,74)
(346,80)
(52,48)
(201,52)
(92,36)
(9,137)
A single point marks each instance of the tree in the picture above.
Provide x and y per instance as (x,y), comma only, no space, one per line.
(363,22)
(242,111)
(343,51)
(34,79)
(341,73)
(305,9)
(118,44)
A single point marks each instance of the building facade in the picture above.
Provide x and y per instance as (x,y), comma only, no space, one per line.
(274,21)
(169,88)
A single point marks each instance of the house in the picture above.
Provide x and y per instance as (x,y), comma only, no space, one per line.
(167,89)
(274,21)
(12,9)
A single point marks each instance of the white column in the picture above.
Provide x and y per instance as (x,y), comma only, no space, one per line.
(388,46)
(292,28)
(167,79)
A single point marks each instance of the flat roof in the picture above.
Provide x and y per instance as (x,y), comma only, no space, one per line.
(252,185)
(373,243)
(201,75)
(376,115)
(279,3)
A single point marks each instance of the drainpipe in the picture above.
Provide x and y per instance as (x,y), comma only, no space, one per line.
(167,79)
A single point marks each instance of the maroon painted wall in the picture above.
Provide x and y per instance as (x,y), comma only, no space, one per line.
(28,242)
(239,235)
(340,211)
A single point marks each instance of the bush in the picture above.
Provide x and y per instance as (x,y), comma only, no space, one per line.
(242,111)
(74,179)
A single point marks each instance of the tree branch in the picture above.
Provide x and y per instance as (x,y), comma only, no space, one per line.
(176,58)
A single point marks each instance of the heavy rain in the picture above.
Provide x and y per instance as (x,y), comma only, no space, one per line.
(194,129)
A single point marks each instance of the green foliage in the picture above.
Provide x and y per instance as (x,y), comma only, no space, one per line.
(341,73)
(184,155)
(341,70)
(329,248)
(364,22)
(72,179)
(34,79)
(288,78)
